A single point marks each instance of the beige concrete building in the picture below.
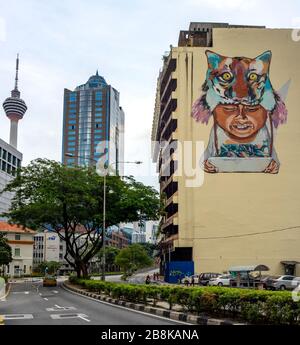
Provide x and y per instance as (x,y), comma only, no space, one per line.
(245,208)
(21,242)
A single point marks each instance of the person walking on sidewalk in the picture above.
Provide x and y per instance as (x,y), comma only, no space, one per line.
(147,281)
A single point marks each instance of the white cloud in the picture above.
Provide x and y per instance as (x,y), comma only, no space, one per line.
(2,30)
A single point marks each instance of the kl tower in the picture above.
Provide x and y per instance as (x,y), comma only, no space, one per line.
(15,109)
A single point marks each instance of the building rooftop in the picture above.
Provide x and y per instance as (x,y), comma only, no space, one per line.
(95,81)
(200,34)
(6,227)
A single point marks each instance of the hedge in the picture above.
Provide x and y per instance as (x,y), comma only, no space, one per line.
(253,306)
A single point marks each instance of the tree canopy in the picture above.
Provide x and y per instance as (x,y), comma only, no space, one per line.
(69,200)
(110,255)
(149,247)
(5,251)
(132,258)
(49,267)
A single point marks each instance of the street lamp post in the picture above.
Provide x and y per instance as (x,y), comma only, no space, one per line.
(104,216)
(104,204)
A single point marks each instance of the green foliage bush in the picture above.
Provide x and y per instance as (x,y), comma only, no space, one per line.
(253,306)
(5,277)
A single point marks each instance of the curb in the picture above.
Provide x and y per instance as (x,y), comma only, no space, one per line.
(7,293)
(173,315)
(1,320)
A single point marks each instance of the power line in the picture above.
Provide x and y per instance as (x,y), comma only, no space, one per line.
(249,234)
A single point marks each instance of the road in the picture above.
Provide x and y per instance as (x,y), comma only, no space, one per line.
(29,303)
(137,278)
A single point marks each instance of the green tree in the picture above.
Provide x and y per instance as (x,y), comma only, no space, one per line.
(52,267)
(5,252)
(110,255)
(132,258)
(48,194)
(149,247)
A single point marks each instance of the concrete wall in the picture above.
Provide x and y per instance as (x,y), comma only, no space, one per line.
(229,206)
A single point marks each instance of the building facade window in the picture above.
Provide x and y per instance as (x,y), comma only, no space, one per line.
(17,252)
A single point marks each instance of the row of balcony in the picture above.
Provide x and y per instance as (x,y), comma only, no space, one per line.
(167,128)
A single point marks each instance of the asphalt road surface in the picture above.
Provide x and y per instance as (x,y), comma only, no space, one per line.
(29,303)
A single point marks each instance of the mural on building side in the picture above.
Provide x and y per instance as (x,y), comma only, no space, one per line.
(246,112)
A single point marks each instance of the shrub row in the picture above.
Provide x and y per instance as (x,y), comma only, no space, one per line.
(253,306)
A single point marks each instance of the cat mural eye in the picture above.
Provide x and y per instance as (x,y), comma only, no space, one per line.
(226,76)
(253,77)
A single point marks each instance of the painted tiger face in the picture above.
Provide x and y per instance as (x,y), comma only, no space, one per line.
(238,80)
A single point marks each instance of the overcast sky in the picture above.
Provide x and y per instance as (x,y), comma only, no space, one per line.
(62,43)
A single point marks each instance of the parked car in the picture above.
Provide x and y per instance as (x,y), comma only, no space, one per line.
(295,282)
(50,281)
(221,280)
(248,280)
(283,282)
(188,279)
(204,278)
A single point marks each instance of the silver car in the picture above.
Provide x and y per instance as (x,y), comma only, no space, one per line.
(296,282)
(281,282)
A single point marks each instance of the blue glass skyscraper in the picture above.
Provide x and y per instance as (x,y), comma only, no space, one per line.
(93,124)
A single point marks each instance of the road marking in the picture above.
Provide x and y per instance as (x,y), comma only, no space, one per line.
(83,318)
(57,306)
(60,309)
(17,316)
(21,292)
(69,316)
(54,291)
(46,299)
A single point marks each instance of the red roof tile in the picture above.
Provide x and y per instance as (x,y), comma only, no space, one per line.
(6,227)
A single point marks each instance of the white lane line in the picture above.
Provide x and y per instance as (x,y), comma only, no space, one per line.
(54,291)
(46,299)
(60,309)
(57,306)
(21,292)
(83,318)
